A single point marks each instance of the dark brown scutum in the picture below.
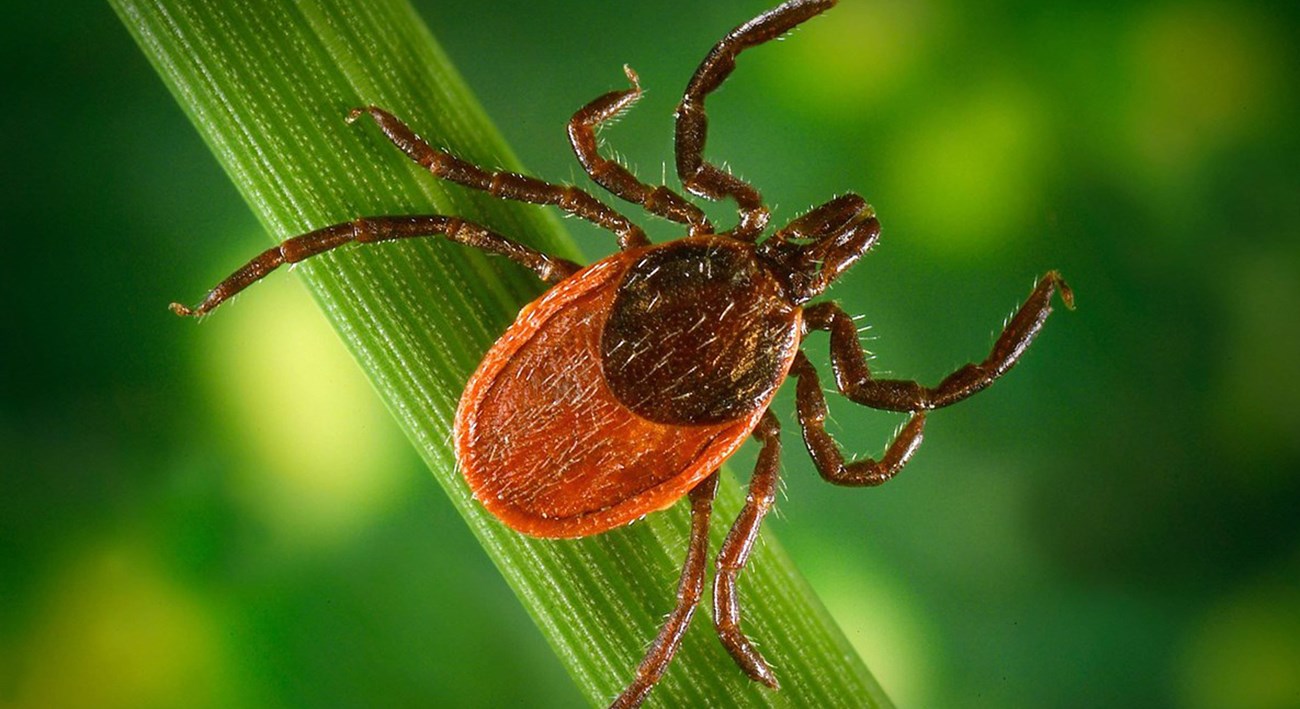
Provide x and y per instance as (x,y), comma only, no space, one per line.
(698,334)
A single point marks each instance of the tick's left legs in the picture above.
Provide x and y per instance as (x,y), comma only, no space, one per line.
(618,179)
(367,230)
(688,598)
(735,552)
(507,185)
(699,176)
(855,381)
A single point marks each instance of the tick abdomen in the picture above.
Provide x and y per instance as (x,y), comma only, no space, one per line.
(698,333)
(546,445)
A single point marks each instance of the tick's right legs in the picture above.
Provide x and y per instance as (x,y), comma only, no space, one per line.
(735,552)
(826,454)
(372,229)
(855,381)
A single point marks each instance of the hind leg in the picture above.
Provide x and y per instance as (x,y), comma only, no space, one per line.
(689,588)
(735,552)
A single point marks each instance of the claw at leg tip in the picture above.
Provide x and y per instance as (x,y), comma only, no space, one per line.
(757,668)
(1067,293)
(768,679)
(360,111)
(632,77)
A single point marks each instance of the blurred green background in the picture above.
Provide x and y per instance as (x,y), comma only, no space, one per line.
(1116,523)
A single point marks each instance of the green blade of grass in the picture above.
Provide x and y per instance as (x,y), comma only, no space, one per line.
(268,84)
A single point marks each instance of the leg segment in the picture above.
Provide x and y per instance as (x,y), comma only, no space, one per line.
(616,178)
(689,587)
(698,176)
(372,229)
(735,552)
(855,381)
(823,449)
(507,185)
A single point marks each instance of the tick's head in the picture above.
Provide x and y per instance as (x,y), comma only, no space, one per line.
(813,250)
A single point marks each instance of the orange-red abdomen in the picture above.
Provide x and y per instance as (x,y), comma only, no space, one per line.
(548,433)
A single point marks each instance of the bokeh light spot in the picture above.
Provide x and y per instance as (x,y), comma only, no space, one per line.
(877,47)
(1203,75)
(323,451)
(116,632)
(1245,653)
(1257,395)
(968,176)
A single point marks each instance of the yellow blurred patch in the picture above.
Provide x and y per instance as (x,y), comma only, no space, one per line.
(1203,76)
(323,453)
(1245,653)
(884,624)
(857,54)
(116,632)
(969,176)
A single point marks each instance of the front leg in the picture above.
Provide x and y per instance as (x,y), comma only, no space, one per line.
(855,381)
(507,185)
(699,176)
(618,179)
(826,455)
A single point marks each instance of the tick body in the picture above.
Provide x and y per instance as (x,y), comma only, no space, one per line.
(626,385)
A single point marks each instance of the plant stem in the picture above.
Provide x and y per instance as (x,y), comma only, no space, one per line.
(268,84)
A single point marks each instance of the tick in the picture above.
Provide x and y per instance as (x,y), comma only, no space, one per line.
(627,384)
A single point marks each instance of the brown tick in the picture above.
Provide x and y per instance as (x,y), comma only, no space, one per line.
(628,383)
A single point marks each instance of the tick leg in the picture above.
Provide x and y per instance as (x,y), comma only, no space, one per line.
(811,403)
(689,587)
(703,178)
(372,229)
(507,185)
(618,179)
(735,552)
(855,381)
